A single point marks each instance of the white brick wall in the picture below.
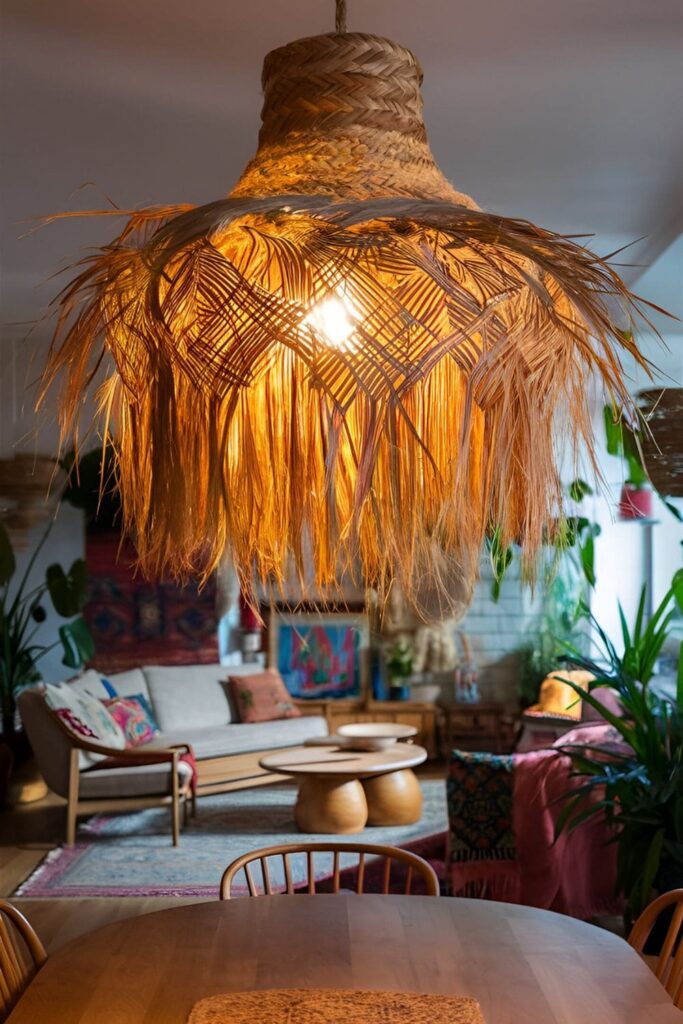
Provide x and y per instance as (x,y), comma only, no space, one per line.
(495,631)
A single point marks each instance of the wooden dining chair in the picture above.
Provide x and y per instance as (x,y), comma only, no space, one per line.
(21,955)
(668,968)
(391,855)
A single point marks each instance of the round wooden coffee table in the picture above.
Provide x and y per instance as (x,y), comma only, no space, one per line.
(342,791)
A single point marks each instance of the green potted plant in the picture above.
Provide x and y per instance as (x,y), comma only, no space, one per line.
(573,540)
(21,613)
(399,662)
(639,785)
(623,441)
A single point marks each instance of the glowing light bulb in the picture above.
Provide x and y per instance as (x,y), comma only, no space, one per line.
(334,321)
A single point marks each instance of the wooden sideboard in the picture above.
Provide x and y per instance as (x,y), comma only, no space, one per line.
(404,712)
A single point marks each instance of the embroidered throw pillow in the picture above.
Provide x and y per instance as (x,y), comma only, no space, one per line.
(73,722)
(135,717)
(261,697)
(90,711)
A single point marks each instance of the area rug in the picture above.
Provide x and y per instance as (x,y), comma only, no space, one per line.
(132,855)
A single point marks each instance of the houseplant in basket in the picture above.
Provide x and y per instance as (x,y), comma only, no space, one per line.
(22,611)
(638,783)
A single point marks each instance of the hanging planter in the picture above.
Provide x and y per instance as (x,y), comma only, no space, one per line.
(345,363)
(662,410)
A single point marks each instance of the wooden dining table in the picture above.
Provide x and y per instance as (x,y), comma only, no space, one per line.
(521,964)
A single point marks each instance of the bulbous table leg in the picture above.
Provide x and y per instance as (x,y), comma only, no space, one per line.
(394,798)
(331,805)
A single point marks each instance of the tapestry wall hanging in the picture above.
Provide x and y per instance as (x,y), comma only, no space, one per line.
(136,621)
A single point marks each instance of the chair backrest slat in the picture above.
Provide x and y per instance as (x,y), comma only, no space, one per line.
(668,969)
(670,940)
(288,875)
(360,880)
(21,955)
(266,876)
(415,867)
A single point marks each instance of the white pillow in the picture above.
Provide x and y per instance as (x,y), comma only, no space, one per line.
(91,712)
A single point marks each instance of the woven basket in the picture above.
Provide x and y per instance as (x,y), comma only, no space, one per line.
(25,484)
(663,444)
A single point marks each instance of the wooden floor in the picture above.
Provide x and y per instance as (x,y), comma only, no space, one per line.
(29,831)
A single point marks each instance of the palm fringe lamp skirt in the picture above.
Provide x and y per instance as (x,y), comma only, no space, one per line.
(345,366)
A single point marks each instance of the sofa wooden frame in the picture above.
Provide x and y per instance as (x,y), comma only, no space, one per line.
(181,795)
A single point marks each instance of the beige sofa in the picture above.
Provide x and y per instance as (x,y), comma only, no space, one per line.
(191,706)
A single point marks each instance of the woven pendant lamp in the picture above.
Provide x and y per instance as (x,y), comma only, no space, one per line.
(344,366)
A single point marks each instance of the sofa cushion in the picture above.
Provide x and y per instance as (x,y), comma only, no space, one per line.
(261,697)
(90,684)
(85,715)
(141,780)
(245,737)
(189,696)
(130,683)
(135,717)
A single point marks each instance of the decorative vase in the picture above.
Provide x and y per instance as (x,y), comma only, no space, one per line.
(635,503)
(377,675)
(399,691)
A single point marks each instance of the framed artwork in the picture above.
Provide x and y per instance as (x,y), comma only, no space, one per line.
(320,655)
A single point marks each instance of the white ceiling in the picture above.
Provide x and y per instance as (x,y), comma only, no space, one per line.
(568,112)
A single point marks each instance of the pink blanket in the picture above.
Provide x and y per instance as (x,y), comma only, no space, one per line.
(574,875)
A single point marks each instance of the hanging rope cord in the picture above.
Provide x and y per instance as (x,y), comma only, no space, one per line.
(340,16)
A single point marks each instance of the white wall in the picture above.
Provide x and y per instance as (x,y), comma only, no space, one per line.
(624,549)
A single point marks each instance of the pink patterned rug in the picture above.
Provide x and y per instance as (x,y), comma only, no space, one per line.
(132,855)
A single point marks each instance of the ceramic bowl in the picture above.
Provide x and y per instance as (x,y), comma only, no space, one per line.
(374,735)
(429,693)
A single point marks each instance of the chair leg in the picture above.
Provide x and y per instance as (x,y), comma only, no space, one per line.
(186,812)
(175,802)
(72,798)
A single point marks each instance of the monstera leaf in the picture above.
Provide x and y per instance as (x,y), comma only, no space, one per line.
(77,642)
(67,590)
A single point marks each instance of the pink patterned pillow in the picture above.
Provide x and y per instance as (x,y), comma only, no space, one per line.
(75,724)
(135,717)
(262,697)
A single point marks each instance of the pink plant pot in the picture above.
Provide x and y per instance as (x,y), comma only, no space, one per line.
(635,503)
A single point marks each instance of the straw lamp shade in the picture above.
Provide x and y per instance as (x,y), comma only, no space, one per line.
(345,363)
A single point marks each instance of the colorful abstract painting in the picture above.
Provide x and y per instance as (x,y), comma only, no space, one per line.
(320,655)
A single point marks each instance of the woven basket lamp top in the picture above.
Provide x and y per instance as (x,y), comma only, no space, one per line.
(342,116)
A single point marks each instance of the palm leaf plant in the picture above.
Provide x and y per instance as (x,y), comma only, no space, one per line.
(22,612)
(637,784)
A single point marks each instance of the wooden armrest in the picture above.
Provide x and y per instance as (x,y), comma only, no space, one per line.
(133,754)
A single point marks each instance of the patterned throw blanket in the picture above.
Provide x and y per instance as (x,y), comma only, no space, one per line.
(482,851)
(501,840)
